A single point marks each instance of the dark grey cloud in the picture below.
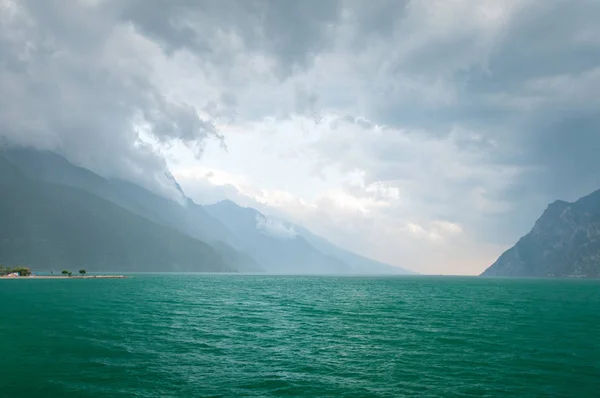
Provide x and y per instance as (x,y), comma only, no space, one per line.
(75,81)
(77,77)
(290,32)
(522,88)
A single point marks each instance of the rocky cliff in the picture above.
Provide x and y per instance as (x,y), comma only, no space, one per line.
(564,242)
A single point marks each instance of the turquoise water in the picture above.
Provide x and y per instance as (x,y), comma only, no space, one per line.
(261,336)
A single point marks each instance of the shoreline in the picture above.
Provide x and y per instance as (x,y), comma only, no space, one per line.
(65,277)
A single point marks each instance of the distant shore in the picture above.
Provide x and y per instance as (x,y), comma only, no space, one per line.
(65,277)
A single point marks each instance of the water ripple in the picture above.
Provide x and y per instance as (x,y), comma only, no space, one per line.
(261,336)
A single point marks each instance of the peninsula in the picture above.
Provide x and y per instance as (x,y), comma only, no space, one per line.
(21,272)
(64,277)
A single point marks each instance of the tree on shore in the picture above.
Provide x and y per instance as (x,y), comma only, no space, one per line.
(65,272)
(23,271)
(82,272)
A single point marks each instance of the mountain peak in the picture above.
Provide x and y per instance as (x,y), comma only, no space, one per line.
(227,203)
(555,208)
(172,179)
(565,241)
(589,203)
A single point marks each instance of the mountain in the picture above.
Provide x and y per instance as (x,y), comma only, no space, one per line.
(242,237)
(50,226)
(277,249)
(353,263)
(357,263)
(53,168)
(565,242)
(189,218)
(283,247)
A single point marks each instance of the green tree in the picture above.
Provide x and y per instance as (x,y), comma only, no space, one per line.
(23,271)
(65,272)
(70,273)
(82,272)
(3,270)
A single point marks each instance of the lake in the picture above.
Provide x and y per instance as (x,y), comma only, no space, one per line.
(263,336)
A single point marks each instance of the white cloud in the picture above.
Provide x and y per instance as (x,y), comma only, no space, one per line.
(275,228)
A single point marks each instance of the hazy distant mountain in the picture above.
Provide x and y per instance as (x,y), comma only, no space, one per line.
(276,248)
(50,167)
(358,264)
(565,241)
(243,238)
(283,247)
(190,219)
(50,226)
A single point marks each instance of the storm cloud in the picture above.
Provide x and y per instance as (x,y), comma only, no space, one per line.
(76,81)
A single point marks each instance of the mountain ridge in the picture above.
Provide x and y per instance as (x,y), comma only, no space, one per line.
(351,263)
(276,254)
(564,242)
(51,226)
(260,240)
(190,219)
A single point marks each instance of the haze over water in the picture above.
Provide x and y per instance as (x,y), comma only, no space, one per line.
(242,335)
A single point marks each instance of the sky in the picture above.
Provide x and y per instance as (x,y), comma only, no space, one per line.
(425,134)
